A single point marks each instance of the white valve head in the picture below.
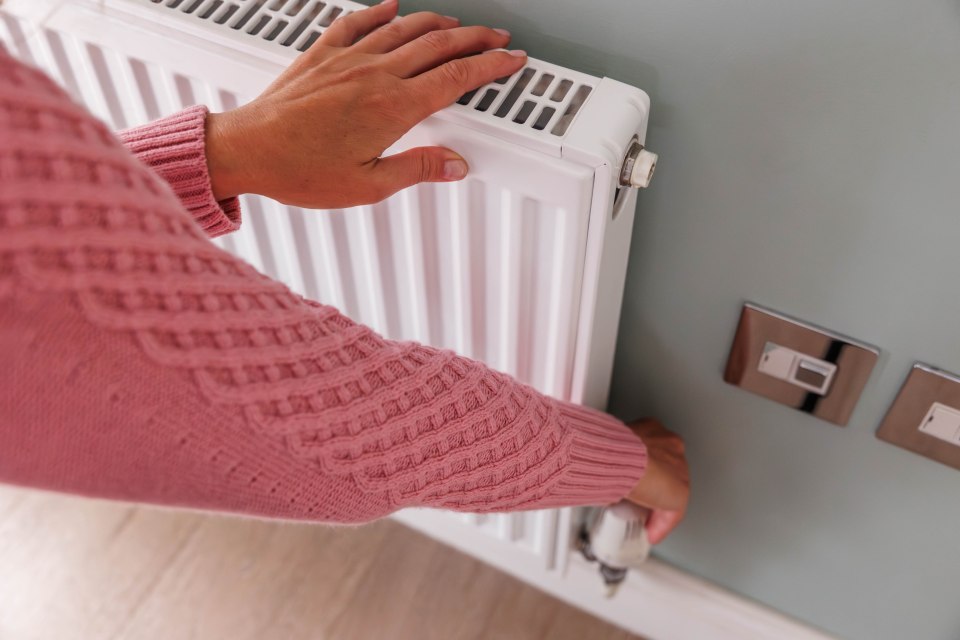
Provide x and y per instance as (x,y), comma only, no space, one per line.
(618,535)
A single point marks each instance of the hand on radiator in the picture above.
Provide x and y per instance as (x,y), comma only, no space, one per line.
(665,485)
(315,137)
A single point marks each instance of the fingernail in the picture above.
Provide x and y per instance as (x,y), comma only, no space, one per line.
(454,18)
(454,169)
(519,53)
(389,2)
(503,32)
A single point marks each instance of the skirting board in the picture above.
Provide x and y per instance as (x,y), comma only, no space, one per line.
(658,602)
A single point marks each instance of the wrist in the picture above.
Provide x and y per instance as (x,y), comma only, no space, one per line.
(225,159)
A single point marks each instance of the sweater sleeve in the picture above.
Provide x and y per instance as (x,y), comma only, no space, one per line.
(143,363)
(174,148)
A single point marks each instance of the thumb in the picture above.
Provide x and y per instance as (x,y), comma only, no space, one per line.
(422,164)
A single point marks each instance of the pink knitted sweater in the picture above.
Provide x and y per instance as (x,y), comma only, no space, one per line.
(140,362)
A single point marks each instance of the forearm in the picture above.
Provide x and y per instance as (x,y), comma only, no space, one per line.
(104,412)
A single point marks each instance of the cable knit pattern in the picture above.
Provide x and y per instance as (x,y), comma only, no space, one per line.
(223,389)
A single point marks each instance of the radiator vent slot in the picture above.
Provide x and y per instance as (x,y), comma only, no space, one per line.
(548,95)
(290,23)
(540,101)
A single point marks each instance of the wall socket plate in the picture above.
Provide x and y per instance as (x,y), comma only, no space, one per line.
(798,364)
(920,419)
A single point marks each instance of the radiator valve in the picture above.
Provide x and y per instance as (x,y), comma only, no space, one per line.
(638,166)
(616,538)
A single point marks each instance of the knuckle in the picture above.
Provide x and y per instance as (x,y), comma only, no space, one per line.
(351,75)
(337,32)
(358,73)
(456,72)
(392,32)
(343,22)
(344,25)
(436,40)
(426,168)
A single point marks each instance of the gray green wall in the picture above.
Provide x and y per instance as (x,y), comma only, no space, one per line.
(810,161)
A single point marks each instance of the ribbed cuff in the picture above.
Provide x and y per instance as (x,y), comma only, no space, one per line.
(606,459)
(174,147)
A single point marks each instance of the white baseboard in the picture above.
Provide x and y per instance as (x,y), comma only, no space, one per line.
(658,602)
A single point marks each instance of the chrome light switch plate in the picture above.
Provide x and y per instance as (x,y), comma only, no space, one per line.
(925,417)
(797,364)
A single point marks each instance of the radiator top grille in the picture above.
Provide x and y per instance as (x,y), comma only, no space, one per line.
(538,99)
(289,23)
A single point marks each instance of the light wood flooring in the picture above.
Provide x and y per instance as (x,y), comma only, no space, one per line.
(91,570)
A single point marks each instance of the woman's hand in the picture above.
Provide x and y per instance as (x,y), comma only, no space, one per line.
(315,137)
(665,486)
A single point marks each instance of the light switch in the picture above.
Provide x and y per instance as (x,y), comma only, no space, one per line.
(800,365)
(797,368)
(925,417)
(942,422)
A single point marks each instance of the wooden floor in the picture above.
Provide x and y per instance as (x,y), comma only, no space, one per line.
(73,568)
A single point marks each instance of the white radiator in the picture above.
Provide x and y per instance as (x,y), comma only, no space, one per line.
(521,265)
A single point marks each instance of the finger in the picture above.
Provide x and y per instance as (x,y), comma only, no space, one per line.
(440,87)
(661,523)
(437,47)
(400,32)
(422,164)
(346,30)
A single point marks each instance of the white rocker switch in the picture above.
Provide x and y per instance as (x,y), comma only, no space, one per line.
(942,422)
(798,369)
(925,417)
